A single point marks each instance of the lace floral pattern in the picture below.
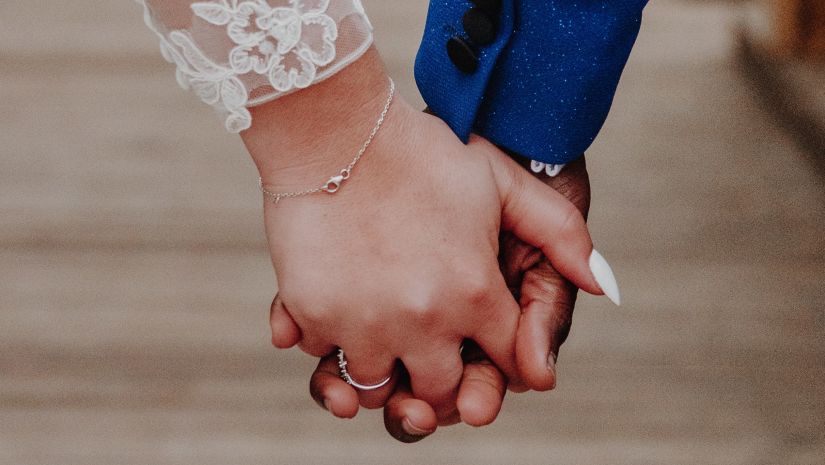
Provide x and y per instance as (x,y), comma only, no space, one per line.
(283,47)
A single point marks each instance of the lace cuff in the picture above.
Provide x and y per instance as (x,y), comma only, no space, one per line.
(238,53)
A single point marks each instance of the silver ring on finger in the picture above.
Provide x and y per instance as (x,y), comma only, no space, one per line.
(342,368)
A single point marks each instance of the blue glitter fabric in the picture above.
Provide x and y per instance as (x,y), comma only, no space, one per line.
(545,86)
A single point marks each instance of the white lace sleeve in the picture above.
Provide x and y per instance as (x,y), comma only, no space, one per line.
(239,53)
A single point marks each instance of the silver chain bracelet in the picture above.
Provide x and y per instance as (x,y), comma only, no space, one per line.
(334,183)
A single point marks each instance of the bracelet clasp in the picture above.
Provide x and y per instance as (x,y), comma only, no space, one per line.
(333,184)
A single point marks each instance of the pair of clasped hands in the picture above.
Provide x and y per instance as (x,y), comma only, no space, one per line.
(447,267)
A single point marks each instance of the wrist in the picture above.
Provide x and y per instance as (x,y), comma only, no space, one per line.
(301,139)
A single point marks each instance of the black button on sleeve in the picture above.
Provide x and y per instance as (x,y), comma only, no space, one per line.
(462,55)
(479,26)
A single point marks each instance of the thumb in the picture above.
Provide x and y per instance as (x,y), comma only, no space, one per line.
(540,216)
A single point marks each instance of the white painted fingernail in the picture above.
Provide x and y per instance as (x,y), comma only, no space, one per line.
(604,277)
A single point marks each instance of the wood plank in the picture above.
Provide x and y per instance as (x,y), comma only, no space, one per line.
(135,285)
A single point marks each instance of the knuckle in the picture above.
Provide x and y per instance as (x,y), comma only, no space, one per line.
(571,221)
(517,179)
(477,285)
(420,306)
(452,372)
(449,374)
(545,284)
(370,321)
(545,287)
(486,374)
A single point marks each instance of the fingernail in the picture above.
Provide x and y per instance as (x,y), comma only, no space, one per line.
(551,367)
(411,429)
(551,363)
(604,277)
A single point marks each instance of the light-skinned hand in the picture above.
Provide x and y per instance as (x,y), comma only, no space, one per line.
(402,263)
(547,302)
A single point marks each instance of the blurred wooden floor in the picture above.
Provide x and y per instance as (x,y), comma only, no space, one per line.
(134,282)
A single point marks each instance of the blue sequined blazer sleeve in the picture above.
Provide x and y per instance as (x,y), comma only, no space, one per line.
(535,76)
